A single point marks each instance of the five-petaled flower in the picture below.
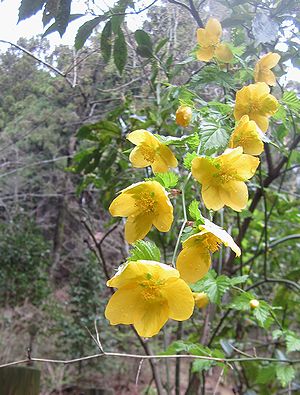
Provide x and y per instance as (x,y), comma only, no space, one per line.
(148,294)
(183,116)
(262,72)
(247,135)
(255,101)
(223,177)
(145,204)
(149,151)
(194,260)
(210,45)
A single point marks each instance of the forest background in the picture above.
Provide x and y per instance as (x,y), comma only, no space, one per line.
(59,244)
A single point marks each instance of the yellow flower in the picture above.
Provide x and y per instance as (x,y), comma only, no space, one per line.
(149,151)
(149,293)
(145,204)
(246,135)
(223,177)
(194,260)
(201,299)
(183,116)
(262,72)
(255,101)
(210,45)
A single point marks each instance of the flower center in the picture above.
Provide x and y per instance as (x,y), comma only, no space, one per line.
(146,203)
(225,176)
(148,153)
(151,289)
(212,242)
(254,107)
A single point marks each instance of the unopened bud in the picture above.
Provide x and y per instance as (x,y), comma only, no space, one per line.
(201,299)
(254,303)
(183,116)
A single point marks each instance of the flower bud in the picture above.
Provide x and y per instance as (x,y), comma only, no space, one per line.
(183,116)
(201,299)
(254,303)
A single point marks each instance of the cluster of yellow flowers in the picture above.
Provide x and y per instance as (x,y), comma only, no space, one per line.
(149,293)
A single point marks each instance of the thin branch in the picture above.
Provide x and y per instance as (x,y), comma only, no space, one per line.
(181,5)
(151,357)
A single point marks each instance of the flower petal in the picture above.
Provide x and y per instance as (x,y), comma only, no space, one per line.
(152,318)
(142,136)
(180,299)
(137,227)
(203,169)
(122,206)
(261,121)
(193,263)
(223,53)
(246,166)
(123,305)
(269,60)
(211,197)
(137,158)
(205,54)
(214,29)
(234,194)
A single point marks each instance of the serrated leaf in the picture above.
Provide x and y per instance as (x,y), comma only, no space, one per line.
(194,210)
(238,280)
(167,180)
(191,140)
(120,51)
(241,302)
(145,250)
(292,342)
(285,373)
(53,28)
(187,161)
(84,32)
(212,136)
(213,75)
(291,100)
(262,313)
(106,42)
(101,131)
(29,8)
(200,364)
(214,286)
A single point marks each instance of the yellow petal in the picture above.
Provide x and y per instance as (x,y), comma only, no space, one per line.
(261,121)
(123,206)
(203,169)
(258,90)
(205,54)
(223,53)
(266,76)
(180,299)
(211,197)
(193,263)
(164,160)
(138,271)
(221,234)
(270,105)
(137,227)
(142,137)
(269,60)
(138,159)
(152,319)
(234,194)
(214,29)
(122,306)
(203,38)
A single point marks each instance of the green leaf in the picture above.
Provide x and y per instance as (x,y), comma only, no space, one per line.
(262,313)
(144,51)
(161,44)
(86,30)
(143,39)
(120,51)
(116,22)
(195,212)
(214,286)
(102,131)
(292,342)
(241,302)
(144,250)
(106,42)
(191,140)
(187,161)
(266,374)
(201,364)
(167,180)
(62,16)
(213,136)
(30,7)
(291,100)
(285,373)
(238,280)
(53,28)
